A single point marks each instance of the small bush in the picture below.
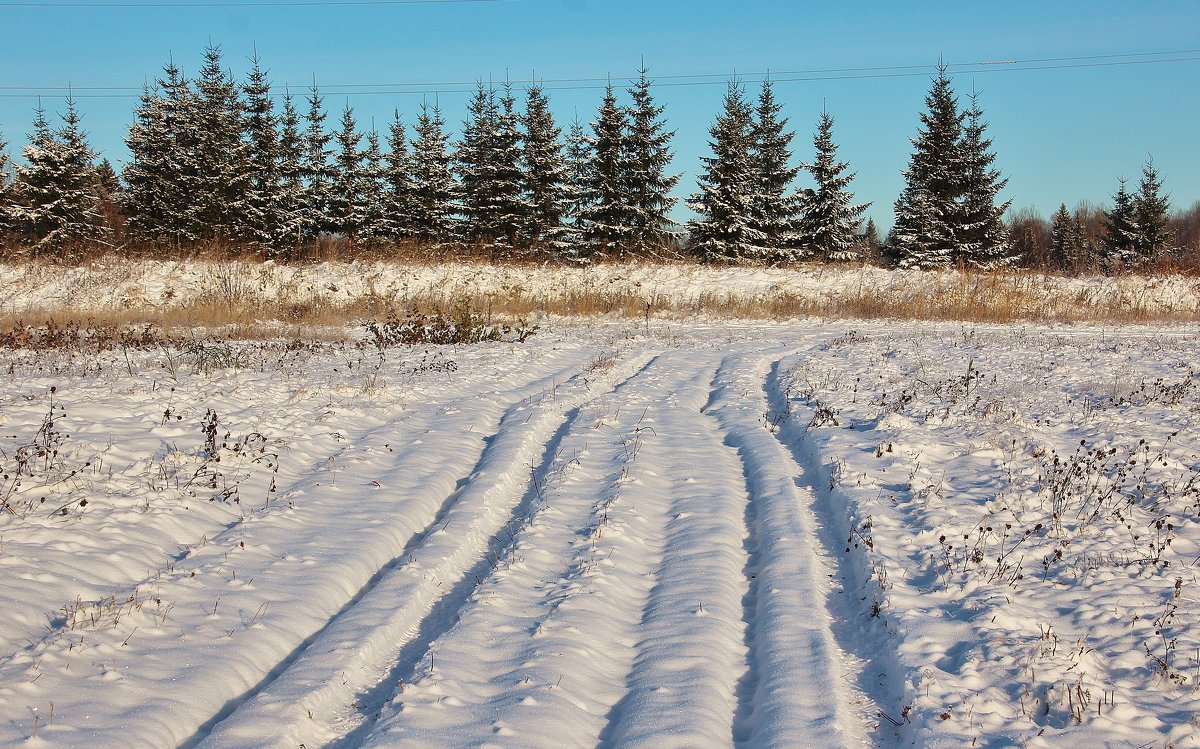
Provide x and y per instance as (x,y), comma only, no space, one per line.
(462,325)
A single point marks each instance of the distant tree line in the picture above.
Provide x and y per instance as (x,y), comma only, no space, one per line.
(217,164)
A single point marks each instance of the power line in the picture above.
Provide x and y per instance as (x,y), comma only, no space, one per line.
(220,4)
(670,81)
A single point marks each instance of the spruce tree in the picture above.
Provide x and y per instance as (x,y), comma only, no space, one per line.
(982,236)
(345,208)
(475,161)
(871,238)
(291,208)
(544,172)
(398,181)
(84,185)
(647,184)
(1121,232)
(1064,241)
(434,190)
(925,234)
(488,164)
(57,203)
(318,172)
(510,205)
(1069,242)
(725,228)
(107,182)
(776,210)
(829,218)
(263,220)
(1151,210)
(376,219)
(607,216)
(578,165)
(162,175)
(223,178)
(143,197)
(33,187)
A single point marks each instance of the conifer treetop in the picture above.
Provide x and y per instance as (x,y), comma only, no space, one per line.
(648,183)
(829,217)
(728,187)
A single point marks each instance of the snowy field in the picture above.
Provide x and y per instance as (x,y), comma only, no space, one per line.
(631,289)
(611,535)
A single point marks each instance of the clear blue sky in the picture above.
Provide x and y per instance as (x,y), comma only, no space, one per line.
(1063,132)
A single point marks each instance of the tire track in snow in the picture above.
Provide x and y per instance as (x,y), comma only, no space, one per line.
(681,689)
(453,416)
(792,693)
(749,684)
(879,678)
(333,690)
(560,624)
(371,529)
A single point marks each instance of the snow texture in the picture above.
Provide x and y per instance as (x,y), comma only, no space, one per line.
(736,534)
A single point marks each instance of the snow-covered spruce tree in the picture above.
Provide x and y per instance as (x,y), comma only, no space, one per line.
(776,209)
(398,182)
(648,185)
(488,164)
(475,161)
(434,189)
(1121,234)
(544,173)
(92,184)
(607,216)
(162,173)
(318,172)
(57,205)
(263,217)
(729,185)
(511,206)
(346,209)
(829,219)
(983,237)
(376,219)
(291,206)
(577,160)
(33,185)
(1151,213)
(223,180)
(925,234)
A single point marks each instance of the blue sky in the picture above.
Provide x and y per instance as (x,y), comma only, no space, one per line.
(1064,130)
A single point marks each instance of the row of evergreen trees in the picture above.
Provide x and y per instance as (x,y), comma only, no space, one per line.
(1139,229)
(216,162)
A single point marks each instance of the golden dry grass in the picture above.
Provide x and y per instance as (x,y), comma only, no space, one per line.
(251,300)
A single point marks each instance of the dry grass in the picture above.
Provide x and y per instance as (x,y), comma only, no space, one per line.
(254,300)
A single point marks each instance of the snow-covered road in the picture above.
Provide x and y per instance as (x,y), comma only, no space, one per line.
(607,536)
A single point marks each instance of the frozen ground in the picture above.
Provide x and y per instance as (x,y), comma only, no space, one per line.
(806,534)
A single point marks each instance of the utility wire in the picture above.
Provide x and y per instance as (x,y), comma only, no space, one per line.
(283,4)
(673,81)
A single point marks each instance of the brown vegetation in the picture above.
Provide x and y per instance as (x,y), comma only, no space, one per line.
(241,299)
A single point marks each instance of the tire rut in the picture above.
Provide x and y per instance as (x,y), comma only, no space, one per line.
(791,692)
(556,602)
(682,681)
(417,424)
(341,679)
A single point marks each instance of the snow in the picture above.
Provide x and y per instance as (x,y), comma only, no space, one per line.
(613,534)
(116,284)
